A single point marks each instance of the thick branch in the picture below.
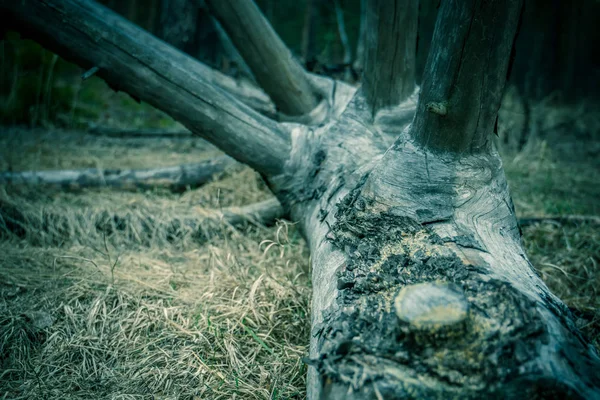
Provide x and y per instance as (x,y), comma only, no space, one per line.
(132,60)
(275,68)
(391,40)
(176,178)
(465,74)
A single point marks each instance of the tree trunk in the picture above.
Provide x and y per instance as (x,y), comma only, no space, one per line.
(421,285)
(341,24)
(178,24)
(391,40)
(309,34)
(359,62)
(176,178)
(273,65)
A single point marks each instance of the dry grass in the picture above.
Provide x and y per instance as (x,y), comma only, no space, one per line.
(110,295)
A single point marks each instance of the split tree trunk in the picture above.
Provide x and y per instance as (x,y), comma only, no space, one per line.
(421,285)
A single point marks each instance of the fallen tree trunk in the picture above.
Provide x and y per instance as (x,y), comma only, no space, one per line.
(176,178)
(140,133)
(422,288)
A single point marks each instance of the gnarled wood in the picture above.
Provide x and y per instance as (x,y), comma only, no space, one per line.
(390,41)
(380,219)
(132,60)
(175,178)
(273,65)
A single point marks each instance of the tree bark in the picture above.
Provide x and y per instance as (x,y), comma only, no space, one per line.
(275,68)
(359,62)
(421,285)
(459,104)
(309,33)
(341,24)
(391,40)
(178,25)
(132,60)
(175,178)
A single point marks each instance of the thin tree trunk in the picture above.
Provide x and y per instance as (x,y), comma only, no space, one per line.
(175,178)
(275,68)
(132,60)
(177,24)
(141,133)
(391,40)
(309,33)
(359,62)
(341,24)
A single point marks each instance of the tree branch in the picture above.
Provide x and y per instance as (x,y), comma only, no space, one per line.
(275,68)
(132,60)
(390,40)
(465,75)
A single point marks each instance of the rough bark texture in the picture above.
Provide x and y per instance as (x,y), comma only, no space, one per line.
(427,221)
(391,40)
(273,65)
(132,60)
(175,178)
(383,222)
(459,104)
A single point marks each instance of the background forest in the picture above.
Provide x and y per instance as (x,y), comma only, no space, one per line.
(157,293)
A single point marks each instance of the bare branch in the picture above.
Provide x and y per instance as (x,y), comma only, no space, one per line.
(275,68)
(391,40)
(132,60)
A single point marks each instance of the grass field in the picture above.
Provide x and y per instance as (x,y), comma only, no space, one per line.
(91,308)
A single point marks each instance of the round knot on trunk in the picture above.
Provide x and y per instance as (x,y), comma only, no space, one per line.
(432,309)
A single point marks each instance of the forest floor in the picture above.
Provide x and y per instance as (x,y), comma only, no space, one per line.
(91,308)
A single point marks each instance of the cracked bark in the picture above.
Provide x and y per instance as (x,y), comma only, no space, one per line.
(429,218)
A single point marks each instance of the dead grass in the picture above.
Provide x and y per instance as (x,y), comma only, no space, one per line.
(92,307)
